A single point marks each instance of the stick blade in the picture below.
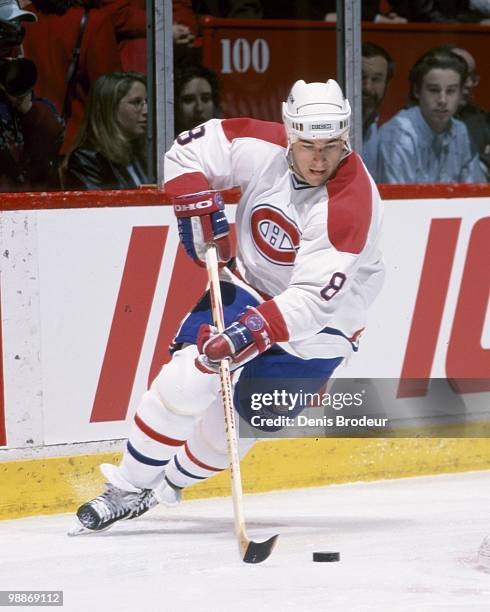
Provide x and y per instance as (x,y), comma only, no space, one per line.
(256,552)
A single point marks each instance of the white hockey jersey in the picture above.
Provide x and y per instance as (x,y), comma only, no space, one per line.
(313,250)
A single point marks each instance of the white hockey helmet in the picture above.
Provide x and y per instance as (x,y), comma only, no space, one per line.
(316,111)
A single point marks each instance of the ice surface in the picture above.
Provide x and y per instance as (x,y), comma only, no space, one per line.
(406,544)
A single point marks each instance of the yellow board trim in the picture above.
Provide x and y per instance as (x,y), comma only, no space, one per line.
(61,484)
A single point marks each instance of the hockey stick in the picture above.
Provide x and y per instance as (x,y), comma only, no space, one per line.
(250,552)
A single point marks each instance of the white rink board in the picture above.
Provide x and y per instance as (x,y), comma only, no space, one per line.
(69,282)
(89,264)
(403,243)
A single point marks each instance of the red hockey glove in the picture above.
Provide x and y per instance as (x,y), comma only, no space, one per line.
(201,219)
(240,342)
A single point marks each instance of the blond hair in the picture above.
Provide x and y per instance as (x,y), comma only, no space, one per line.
(100,129)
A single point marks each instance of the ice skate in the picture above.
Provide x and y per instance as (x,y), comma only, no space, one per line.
(113,505)
(121,501)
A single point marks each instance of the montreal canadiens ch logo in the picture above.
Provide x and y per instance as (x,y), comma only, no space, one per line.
(275,236)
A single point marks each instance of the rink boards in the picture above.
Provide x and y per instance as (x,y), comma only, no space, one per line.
(90,300)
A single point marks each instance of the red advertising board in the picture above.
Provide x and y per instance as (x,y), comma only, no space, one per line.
(258,60)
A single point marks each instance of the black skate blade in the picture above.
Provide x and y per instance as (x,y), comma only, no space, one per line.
(257,552)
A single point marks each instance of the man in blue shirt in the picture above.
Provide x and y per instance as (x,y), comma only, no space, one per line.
(424,143)
(377,71)
(476,119)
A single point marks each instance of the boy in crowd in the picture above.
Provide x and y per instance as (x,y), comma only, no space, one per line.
(424,143)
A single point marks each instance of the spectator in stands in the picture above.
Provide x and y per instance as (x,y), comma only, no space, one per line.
(483,7)
(196,94)
(128,19)
(424,143)
(476,119)
(31,131)
(377,71)
(110,149)
(185,23)
(12,20)
(51,43)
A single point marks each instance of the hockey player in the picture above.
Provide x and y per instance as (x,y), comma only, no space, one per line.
(307,268)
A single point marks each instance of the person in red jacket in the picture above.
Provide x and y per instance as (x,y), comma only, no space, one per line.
(129,20)
(50,44)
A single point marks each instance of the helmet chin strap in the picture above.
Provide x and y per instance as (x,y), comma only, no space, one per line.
(347,149)
(289,157)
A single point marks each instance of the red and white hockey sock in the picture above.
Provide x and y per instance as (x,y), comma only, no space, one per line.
(155,436)
(165,418)
(204,454)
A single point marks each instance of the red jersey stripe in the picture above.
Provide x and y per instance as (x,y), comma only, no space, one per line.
(190,182)
(349,206)
(253,128)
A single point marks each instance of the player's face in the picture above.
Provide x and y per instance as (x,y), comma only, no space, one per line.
(132,111)
(317,160)
(196,103)
(439,97)
(374,81)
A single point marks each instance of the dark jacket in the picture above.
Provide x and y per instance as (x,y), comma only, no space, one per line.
(89,169)
(477,122)
(28,145)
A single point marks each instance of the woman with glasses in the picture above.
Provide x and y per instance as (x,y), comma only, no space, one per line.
(110,149)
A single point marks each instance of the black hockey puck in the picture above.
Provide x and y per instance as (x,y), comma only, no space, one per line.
(326,556)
